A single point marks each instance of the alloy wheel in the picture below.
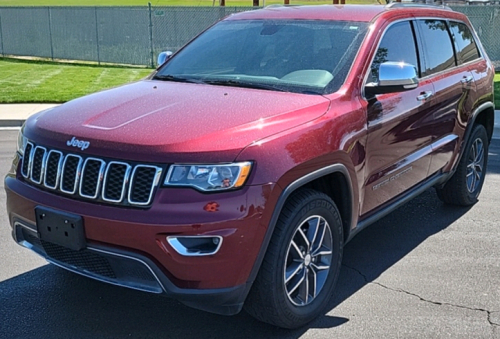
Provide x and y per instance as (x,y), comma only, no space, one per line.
(308,260)
(475,165)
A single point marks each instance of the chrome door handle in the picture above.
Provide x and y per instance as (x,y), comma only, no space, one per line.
(424,95)
(466,79)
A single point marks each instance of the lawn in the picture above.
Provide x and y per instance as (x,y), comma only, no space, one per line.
(34,81)
(23,81)
(165,2)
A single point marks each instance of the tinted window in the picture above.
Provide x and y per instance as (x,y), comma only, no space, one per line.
(437,47)
(466,46)
(398,44)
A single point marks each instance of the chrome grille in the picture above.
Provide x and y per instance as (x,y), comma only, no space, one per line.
(90,178)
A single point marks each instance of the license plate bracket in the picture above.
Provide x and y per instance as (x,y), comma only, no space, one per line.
(61,228)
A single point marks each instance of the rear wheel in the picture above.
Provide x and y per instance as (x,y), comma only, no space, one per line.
(465,185)
(302,263)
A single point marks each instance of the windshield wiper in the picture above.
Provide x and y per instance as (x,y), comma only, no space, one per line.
(176,78)
(237,83)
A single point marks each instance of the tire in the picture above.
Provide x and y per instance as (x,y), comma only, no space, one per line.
(278,295)
(464,186)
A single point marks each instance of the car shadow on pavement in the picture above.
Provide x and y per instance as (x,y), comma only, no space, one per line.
(53,303)
(49,302)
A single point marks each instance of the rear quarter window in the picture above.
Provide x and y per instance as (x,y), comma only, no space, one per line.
(464,41)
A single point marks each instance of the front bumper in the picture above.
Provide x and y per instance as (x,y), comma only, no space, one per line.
(129,247)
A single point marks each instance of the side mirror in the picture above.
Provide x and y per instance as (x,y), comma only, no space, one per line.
(163,56)
(393,77)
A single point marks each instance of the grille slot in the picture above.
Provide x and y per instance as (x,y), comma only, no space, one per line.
(117,175)
(92,173)
(53,166)
(26,160)
(144,178)
(71,172)
(90,178)
(37,164)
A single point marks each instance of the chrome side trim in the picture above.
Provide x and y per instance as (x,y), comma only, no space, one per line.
(402,199)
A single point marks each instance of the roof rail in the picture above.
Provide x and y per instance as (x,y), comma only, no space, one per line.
(416,5)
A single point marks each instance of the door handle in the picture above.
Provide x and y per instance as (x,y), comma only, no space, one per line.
(466,79)
(424,95)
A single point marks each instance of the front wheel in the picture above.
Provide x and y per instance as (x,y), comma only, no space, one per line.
(302,263)
(464,186)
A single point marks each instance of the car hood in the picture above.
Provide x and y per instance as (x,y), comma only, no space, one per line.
(161,121)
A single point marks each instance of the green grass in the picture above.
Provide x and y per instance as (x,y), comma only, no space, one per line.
(497,91)
(165,2)
(38,81)
(23,81)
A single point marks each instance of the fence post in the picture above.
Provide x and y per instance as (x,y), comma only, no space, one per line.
(151,36)
(1,34)
(97,37)
(50,34)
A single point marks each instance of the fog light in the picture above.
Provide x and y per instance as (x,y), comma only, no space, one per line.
(196,246)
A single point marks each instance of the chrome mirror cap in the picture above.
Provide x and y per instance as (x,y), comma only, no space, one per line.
(163,56)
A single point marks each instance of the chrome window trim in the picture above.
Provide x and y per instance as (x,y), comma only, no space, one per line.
(42,166)
(413,19)
(156,180)
(124,184)
(77,174)
(99,179)
(59,169)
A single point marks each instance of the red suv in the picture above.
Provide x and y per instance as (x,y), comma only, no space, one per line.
(239,169)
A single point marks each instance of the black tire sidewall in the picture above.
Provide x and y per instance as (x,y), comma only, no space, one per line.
(479,132)
(322,207)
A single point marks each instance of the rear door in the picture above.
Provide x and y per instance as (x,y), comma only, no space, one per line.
(399,142)
(453,85)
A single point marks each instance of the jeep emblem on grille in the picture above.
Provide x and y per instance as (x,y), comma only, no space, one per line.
(83,145)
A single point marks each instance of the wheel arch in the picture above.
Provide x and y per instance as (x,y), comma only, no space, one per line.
(326,180)
(484,115)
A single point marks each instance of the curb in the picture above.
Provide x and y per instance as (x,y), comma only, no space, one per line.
(12,123)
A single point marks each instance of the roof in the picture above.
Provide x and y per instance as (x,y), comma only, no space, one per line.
(360,13)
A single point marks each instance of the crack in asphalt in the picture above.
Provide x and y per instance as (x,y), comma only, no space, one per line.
(489,313)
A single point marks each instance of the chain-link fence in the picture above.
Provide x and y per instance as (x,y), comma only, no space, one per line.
(486,22)
(135,35)
(122,35)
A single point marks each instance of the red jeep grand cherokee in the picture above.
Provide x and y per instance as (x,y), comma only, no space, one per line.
(239,169)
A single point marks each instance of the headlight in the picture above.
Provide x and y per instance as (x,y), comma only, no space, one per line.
(21,142)
(216,177)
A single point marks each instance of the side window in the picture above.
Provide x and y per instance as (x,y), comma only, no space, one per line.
(398,44)
(466,46)
(437,46)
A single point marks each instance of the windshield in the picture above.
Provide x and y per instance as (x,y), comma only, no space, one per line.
(302,56)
